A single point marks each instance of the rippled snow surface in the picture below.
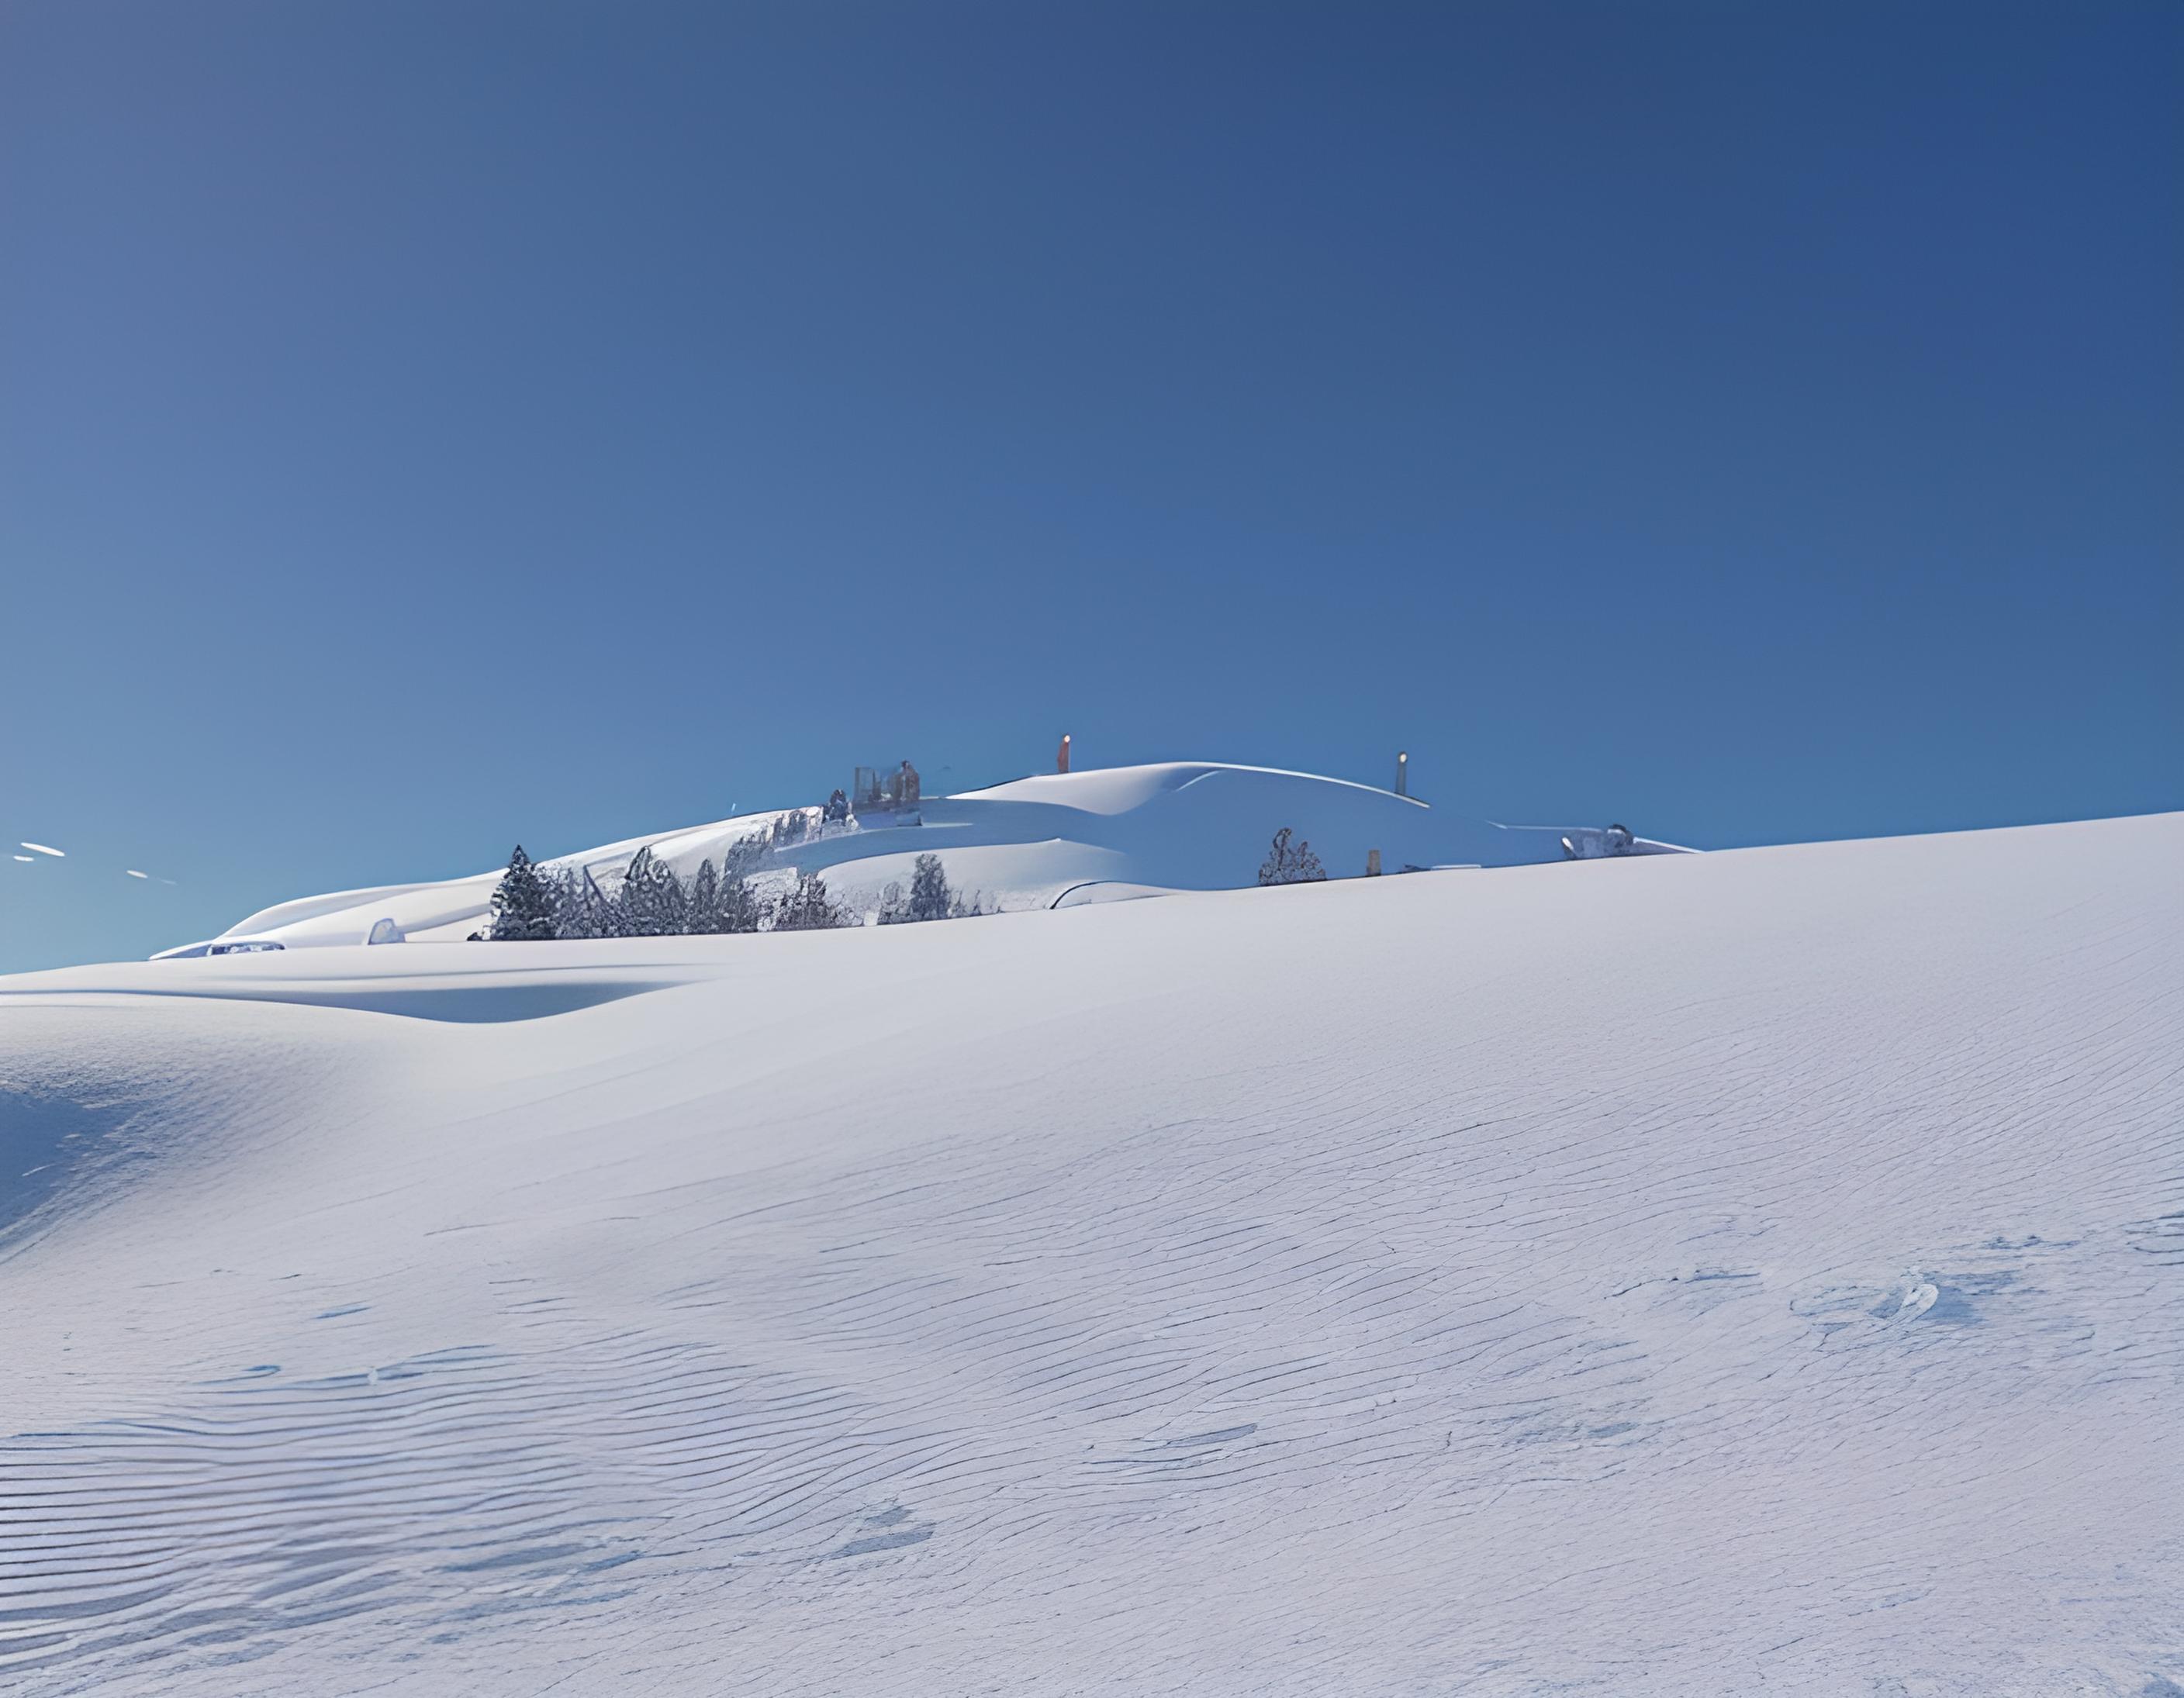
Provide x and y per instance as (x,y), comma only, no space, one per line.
(1761,1271)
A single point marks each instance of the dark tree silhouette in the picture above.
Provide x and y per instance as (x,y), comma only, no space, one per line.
(723,902)
(738,908)
(929,896)
(706,899)
(1287,866)
(807,907)
(651,902)
(522,904)
(580,908)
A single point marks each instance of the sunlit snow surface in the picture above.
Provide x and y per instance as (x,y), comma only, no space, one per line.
(1754,1273)
(1056,840)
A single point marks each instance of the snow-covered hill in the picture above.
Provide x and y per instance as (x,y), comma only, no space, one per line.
(1035,842)
(1755,1272)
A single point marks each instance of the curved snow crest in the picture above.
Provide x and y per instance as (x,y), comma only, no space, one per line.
(1117,789)
(1022,845)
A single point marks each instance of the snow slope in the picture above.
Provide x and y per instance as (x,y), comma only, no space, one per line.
(1757,1272)
(1137,830)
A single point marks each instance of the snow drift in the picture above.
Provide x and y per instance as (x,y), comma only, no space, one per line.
(1711,1274)
(1065,838)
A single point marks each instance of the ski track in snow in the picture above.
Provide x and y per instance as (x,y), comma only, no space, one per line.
(1759,1271)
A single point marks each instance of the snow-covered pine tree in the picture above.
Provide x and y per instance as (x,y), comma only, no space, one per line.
(1287,866)
(559,889)
(590,912)
(807,907)
(631,905)
(570,918)
(652,902)
(670,901)
(738,907)
(744,856)
(929,888)
(522,904)
(705,899)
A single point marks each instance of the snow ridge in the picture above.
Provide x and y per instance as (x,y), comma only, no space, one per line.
(1104,834)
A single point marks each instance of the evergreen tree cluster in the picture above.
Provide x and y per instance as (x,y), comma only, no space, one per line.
(930,897)
(534,903)
(1285,864)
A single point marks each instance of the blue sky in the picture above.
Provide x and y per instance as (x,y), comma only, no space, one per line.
(424,426)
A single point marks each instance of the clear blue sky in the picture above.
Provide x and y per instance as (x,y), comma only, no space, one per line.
(424,426)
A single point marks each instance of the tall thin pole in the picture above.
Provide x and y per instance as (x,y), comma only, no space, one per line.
(1402,772)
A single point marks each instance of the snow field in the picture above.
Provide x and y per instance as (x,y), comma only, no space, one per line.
(1753,1272)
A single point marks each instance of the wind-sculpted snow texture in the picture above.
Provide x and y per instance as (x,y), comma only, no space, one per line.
(1761,1271)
